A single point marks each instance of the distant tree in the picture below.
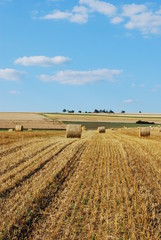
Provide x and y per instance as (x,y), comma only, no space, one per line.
(79,111)
(96,111)
(139,111)
(122,111)
(102,111)
(111,111)
(70,111)
(85,111)
(64,110)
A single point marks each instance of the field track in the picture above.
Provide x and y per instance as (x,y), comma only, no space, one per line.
(102,186)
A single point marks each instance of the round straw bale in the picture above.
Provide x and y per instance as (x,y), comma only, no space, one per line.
(101,129)
(10,130)
(18,128)
(73,131)
(144,132)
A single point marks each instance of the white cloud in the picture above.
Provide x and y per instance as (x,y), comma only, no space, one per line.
(147,23)
(81,77)
(117,20)
(14,92)
(141,18)
(58,15)
(41,61)
(128,101)
(11,74)
(133,9)
(100,6)
(79,14)
(135,16)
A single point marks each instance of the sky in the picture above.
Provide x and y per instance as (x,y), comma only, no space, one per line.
(80,55)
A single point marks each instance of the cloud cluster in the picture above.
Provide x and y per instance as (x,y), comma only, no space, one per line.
(71,77)
(81,77)
(10,74)
(133,16)
(141,18)
(41,61)
(102,7)
(80,13)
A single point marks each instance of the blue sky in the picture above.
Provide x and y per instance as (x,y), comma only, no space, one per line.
(81,55)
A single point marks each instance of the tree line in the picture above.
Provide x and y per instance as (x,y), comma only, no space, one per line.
(95,111)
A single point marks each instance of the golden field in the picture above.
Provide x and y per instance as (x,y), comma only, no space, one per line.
(105,117)
(102,186)
(28,120)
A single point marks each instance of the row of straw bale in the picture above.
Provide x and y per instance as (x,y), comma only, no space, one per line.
(18,128)
(75,130)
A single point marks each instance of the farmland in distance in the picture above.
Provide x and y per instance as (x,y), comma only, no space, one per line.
(102,186)
(109,120)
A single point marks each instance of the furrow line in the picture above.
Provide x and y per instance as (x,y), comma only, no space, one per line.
(6,192)
(63,213)
(51,191)
(24,159)
(147,190)
(14,149)
(31,160)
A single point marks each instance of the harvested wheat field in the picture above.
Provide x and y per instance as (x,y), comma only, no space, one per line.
(101,186)
(28,120)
